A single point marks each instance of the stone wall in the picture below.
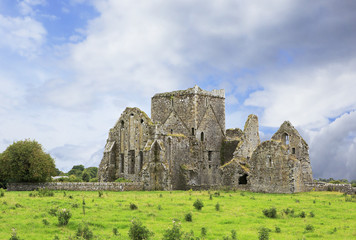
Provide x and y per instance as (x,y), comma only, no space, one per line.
(76,186)
(320,186)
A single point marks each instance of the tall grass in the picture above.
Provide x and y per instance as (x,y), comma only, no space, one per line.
(241,212)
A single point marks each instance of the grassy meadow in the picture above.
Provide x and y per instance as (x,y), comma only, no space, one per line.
(33,217)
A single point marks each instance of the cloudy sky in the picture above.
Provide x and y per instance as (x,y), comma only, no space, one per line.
(68,68)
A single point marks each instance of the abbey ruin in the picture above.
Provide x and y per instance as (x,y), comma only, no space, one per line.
(185,145)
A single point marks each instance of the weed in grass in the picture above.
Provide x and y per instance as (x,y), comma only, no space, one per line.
(242,194)
(2,192)
(45,222)
(56,238)
(133,206)
(115,232)
(44,192)
(311,214)
(63,216)
(173,233)
(203,232)
(278,229)
(217,194)
(159,207)
(188,217)
(53,212)
(302,214)
(4,203)
(14,235)
(64,194)
(263,233)
(18,205)
(211,196)
(198,204)
(138,231)
(252,198)
(334,230)
(75,205)
(314,201)
(100,193)
(297,201)
(83,206)
(83,232)
(309,228)
(233,235)
(161,196)
(70,197)
(270,213)
(217,207)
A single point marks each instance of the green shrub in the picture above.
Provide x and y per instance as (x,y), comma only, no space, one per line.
(173,233)
(188,217)
(93,180)
(159,207)
(217,207)
(311,214)
(133,206)
(233,235)
(83,232)
(100,193)
(115,232)
(44,192)
(204,231)
(53,212)
(122,180)
(139,232)
(2,192)
(309,228)
(278,229)
(18,205)
(302,214)
(14,235)
(217,194)
(63,216)
(211,196)
(75,205)
(263,233)
(270,213)
(45,222)
(198,204)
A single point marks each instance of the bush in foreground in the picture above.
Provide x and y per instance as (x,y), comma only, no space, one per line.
(63,216)
(270,213)
(173,233)
(138,231)
(198,204)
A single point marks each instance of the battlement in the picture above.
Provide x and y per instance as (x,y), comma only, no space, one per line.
(220,93)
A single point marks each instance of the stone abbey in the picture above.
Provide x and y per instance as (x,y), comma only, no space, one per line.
(185,145)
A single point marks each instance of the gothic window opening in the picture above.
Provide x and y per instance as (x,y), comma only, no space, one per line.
(171,131)
(243,179)
(141,121)
(141,161)
(122,160)
(193,132)
(172,101)
(293,150)
(269,161)
(206,102)
(210,153)
(202,137)
(132,161)
(122,123)
(285,138)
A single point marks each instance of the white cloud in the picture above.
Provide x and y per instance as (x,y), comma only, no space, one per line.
(307,98)
(26,6)
(333,149)
(23,35)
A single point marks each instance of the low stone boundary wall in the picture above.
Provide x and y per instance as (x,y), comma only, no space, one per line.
(320,186)
(76,186)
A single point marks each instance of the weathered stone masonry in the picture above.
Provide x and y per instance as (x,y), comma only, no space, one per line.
(185,145)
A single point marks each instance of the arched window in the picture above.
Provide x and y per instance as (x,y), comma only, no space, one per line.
(141,161)
(285,138)
(193,132)
(122,123)
(202,136)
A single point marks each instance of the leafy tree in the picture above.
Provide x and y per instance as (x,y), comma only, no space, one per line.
(25,161)
(86,177)
(76,170)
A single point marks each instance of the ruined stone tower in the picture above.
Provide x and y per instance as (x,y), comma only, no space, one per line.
(185,145)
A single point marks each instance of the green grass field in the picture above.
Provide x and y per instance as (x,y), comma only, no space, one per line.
(334,218)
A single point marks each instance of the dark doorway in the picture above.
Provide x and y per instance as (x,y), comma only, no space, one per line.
(243,179)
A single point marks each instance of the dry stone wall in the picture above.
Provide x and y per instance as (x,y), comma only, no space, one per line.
(76,186)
